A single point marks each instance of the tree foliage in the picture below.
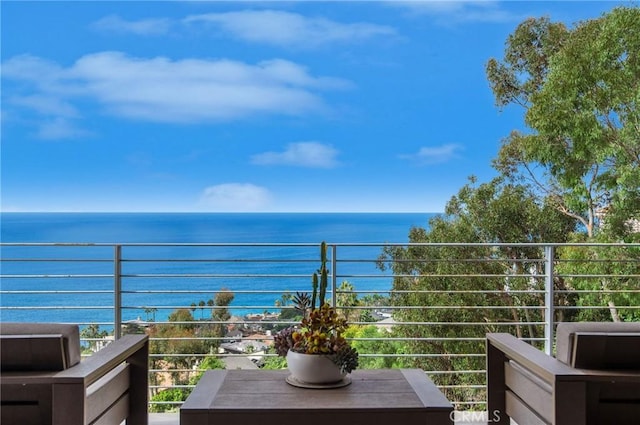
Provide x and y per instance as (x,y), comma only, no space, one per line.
(580,89)
(374,347)
(92,334)
(347,299)
(170,399)
(466,284)
(526,61)
(604,277)
(220,311)
(577,162)
(185,341)
(176,341)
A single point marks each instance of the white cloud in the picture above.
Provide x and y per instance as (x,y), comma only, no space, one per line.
(235,197)
(115,24)
(162,90)
(60,128)
(31,68)
(302,154)
(46,105)
(289,29)
(454,11)
(433,155)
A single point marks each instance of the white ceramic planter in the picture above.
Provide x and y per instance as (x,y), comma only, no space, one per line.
(313,368)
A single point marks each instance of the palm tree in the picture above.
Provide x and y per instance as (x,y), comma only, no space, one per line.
(201,304)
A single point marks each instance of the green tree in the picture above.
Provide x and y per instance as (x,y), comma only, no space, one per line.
(182,319)
(370,342)
(453,280)
(176,341)
(170,399)
(346,299)
(208,363)
(222,300)
(274,362)
(184,342)
(580,89)
(287,312)
(92,333)
(603,275)
(524,68)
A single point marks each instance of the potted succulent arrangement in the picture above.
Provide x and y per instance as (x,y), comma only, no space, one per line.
(317,353)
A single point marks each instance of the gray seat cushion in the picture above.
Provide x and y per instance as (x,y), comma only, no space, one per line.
(610,346)
(39,346)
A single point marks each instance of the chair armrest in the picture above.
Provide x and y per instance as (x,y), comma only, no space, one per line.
(529,357)
(98,364)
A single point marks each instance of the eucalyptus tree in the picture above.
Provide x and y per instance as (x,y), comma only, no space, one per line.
(580,90)
(577,160)
(606,278)
(465,289)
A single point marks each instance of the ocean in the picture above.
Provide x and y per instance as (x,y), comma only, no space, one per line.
(175,228)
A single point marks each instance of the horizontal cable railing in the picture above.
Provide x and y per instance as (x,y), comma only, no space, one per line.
(410,305)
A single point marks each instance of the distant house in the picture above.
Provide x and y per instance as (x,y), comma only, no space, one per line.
(386,324)
(633,223)
(234,336)
(249,345)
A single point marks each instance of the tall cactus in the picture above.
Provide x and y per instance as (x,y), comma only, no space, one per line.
(321,328)
(320,284)
(314,284)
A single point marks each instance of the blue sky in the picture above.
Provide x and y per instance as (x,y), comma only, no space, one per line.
(253,106)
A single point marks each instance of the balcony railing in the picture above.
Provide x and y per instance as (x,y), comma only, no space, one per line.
(422,305)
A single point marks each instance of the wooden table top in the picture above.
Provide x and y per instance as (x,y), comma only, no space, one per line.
(231,396)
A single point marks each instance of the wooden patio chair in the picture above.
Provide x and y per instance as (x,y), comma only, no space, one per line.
(594,378)
(44,382)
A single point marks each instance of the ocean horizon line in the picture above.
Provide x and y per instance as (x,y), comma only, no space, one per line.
(169,230)
(222,212)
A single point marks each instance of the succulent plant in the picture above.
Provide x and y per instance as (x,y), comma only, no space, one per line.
(321,327)
(283,340)
(346,357)
(301,302)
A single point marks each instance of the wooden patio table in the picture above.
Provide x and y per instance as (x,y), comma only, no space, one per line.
(393,396)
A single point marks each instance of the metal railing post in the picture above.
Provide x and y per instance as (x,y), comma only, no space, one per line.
(117,291)
(334,287)
(549,312)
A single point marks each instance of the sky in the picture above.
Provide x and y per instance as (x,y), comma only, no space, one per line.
(253,106)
